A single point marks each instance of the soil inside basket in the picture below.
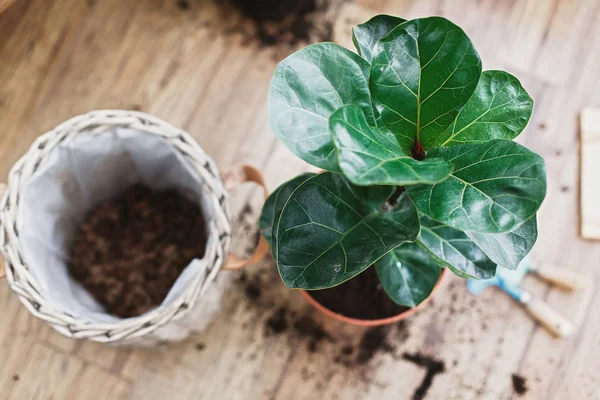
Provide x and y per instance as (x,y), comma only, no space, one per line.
(129,251)
(361,297)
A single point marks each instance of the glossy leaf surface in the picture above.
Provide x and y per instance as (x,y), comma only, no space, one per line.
(408,274)
(307,87)
(495,187)
(274,203)
(330,230)
(499,109)
(454,247)
(371,156)
(510,248)
(422,73)
(366,35)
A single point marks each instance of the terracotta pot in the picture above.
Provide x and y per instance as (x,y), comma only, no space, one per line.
(371,322)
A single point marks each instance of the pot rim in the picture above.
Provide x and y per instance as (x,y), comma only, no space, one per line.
(372,322)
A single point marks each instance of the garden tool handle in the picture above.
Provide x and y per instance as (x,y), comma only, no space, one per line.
(560,277)
(558,325)
(233,178)
(2,190)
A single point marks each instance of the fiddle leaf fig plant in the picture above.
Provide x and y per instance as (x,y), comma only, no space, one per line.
(420,170)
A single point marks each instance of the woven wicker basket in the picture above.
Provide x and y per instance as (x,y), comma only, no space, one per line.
(157,325)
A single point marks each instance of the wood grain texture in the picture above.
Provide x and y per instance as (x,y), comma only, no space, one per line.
(590,163)
(4,4)
(194,68)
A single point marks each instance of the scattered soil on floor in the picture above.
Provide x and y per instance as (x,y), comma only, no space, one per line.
(432,368)
(519,384)
(346,352)
(303,327)
(307,327)
(262,291)
(274,10)
(183,5)
(251,288)
(373,341)
(277,322)
(129,251)
(361,297)
(356,352)
(200,346)
(288,21)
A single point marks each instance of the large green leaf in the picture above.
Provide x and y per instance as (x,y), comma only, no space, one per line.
(306,88)
(422,73)
(366,35)
(455,248)
(510,248)
(495,187)
(274,203)
(371,156)
(499,109)
(408,274)
(330,230)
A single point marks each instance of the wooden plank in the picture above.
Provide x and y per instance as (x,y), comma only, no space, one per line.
(49,374)
(34,40)
(17,332)
(4,4)
(164,378)
(526,30)
(129,363)
(590,165)
(99,354)
(577,377)
(55,339)
(586,80)
(561,53)
(237,93)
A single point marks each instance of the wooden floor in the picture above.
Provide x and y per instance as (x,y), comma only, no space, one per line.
(59,58)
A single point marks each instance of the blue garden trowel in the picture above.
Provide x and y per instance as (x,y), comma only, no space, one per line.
(509,281)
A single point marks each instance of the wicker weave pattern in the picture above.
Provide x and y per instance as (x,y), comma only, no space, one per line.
(24,285)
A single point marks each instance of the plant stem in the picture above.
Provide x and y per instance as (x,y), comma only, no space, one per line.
(417,151)
(392,201)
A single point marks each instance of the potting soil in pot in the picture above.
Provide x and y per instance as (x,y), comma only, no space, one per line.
(361,297)
(129,251)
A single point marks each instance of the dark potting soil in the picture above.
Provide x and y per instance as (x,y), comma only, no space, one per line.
(274,10)
(432,368)
(373,341)
(304,327)
(129,250)
(307,327)
(361,297)
(287,21)
(277,323)
(519,384)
